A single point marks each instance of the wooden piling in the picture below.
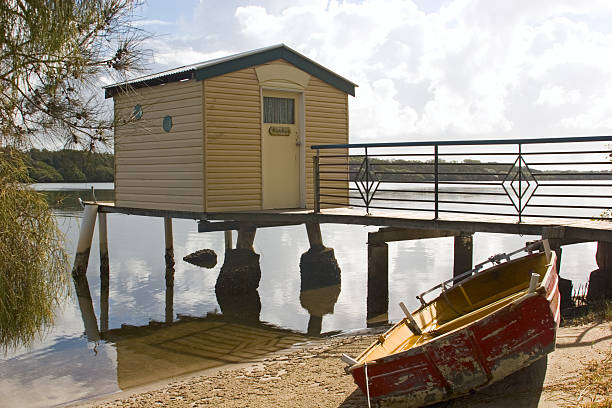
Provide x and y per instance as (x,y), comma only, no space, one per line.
(246,237)
(169,257)
(313,229)
(463,253)
(378,283)
(104,271)
(84,244)
(168,240)
(228,239)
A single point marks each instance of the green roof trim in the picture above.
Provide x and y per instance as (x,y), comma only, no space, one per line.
(237,62)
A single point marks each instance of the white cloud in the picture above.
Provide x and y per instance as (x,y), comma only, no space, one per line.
(555,95)
(144,23)
(471,69)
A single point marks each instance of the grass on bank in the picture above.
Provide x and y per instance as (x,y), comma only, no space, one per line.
(591,387)
(598,311)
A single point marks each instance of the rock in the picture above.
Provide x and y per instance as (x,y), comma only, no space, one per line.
(240,273)
(206,258)
(319,268)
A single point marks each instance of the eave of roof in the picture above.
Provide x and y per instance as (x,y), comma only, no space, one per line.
(220,66)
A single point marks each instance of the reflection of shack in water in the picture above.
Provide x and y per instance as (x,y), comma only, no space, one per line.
(146,354)
(150,353)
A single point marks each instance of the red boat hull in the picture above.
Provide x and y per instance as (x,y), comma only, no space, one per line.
(469,358)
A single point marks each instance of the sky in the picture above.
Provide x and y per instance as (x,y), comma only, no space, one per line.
(425,70)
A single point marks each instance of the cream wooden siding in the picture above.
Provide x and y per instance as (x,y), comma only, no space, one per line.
(232,117)
(326,115)
(157,169)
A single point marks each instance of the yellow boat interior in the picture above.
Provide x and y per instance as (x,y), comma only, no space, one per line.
(462,304)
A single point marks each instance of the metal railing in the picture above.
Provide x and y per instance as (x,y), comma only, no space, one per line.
(549,177)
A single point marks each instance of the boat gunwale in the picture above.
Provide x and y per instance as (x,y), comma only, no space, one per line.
(523,295)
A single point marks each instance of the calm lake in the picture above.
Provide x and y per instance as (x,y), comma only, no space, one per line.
(65,366)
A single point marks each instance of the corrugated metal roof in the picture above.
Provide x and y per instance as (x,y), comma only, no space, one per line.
(220,66)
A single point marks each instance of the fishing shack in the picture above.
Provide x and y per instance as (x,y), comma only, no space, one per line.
(229,134)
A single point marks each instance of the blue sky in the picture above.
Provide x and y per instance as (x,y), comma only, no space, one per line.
(451,69)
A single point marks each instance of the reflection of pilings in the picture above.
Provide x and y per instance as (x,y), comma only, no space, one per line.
(463,250)
(104,271)
(244,308)
(378,284)
(318,302)
(169,256)
(169,302)
(86,305)
(84,244)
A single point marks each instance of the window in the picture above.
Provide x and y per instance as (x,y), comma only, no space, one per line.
(279,110)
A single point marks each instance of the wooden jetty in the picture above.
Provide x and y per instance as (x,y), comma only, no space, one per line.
(394,226)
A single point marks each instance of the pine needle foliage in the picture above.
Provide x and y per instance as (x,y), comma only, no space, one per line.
(34,275)
(53,54)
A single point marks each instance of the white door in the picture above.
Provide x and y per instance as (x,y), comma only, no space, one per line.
(281,147)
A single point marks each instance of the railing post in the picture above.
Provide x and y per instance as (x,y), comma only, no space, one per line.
(520,178)
(436,181)
(367,189)
(317,183)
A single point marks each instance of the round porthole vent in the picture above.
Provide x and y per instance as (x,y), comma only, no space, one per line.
(167,123)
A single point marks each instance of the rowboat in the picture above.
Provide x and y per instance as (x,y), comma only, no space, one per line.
(482,326)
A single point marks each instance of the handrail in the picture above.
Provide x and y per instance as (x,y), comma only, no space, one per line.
(544,180)
(576,139)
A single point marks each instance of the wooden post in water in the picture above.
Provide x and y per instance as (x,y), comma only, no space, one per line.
(169,257)
(313,229)
(246,237)
(463,253)
(79,272)
(84,244)
(104,271)
(378,284)
(228,239)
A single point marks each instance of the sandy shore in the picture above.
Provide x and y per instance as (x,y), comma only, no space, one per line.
(312,375)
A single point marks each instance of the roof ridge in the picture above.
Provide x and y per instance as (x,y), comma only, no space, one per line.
(219,66)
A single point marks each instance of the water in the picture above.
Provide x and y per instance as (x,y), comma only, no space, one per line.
(64,366)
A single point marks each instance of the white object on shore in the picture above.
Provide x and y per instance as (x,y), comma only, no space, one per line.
(348,359)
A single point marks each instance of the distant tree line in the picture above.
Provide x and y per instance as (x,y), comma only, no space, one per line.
(418,171)
(70,166)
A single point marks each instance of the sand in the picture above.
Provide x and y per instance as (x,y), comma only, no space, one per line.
(312,375)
